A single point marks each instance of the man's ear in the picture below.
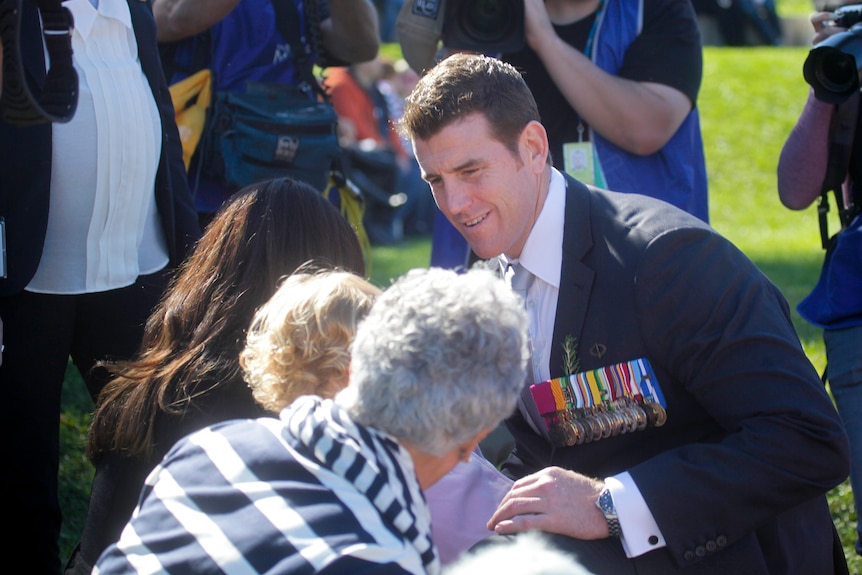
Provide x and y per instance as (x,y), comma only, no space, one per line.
(534,140)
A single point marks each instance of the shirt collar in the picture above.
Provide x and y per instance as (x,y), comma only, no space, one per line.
(543,250)
(85,14)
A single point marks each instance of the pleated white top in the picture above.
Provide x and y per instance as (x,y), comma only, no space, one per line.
(103,228)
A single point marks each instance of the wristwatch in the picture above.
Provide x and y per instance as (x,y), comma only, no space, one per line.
(605,503)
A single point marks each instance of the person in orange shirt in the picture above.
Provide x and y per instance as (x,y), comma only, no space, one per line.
(399,203)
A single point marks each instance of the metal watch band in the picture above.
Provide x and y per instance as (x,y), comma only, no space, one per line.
(605,503)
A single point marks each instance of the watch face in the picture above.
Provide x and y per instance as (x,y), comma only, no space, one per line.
(606,504)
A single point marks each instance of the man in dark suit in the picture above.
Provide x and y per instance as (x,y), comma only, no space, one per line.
(95,214)
(693,435)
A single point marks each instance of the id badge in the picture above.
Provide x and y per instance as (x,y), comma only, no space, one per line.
(578,161)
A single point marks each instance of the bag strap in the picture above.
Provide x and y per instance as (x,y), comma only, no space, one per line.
(290,27)
(841,130)
(57,98)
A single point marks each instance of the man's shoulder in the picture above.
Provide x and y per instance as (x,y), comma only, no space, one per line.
(639,210)
(636,218)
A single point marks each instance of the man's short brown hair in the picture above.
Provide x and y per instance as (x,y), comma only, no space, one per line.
(466,84)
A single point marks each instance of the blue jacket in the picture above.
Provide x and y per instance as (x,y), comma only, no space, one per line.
(836,300)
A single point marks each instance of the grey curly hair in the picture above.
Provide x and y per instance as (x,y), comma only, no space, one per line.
(440,358)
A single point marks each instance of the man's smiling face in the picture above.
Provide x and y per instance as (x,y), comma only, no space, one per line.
(491,195)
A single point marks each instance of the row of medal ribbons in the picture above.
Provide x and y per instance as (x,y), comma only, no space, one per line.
(600,403)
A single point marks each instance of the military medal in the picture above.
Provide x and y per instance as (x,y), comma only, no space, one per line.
(597,404)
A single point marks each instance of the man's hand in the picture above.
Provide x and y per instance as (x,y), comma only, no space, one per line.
(553,500)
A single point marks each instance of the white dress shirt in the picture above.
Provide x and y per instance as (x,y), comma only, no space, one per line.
(542,256)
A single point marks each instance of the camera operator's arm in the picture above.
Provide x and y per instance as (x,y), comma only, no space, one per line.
(178,19)
(350,34)
(639,117)
(803,160)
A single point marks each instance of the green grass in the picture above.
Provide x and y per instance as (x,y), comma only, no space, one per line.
(749,101)
(388,262)
(794,8)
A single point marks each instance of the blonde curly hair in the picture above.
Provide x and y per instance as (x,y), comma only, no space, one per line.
(299,341)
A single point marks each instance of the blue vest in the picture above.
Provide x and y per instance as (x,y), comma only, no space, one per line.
(677,172)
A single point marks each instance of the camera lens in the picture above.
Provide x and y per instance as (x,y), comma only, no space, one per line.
(832,66)
(488,20)
(837,73)
(486,26)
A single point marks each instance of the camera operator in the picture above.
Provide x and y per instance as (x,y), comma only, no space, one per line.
(823,23)
(835,303)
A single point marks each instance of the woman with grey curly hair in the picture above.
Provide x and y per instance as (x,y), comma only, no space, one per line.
(336,486)
(299,341)
(427,367)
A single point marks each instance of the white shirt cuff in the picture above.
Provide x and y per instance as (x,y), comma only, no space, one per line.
(640,532)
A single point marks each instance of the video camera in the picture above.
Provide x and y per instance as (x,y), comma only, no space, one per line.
(487,26)
(834,66)
(24,104)
(484,26)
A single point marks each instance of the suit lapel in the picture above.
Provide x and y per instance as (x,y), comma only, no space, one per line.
(32,50)
(576,278)
(145,33)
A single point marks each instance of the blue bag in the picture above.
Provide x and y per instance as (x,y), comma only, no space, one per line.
(270,130)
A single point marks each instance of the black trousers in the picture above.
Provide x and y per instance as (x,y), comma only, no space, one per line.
(40,333)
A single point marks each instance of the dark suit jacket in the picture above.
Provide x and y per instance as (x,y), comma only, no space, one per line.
(25,160)
(736,477)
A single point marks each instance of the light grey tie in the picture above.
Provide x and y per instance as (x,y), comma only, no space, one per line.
(521,281)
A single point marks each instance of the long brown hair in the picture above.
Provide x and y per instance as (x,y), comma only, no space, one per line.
(193,338)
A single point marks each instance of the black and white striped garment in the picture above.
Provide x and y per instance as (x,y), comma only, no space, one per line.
(311,492)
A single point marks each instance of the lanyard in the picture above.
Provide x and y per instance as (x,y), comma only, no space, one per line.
(589,47)
(587,52)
